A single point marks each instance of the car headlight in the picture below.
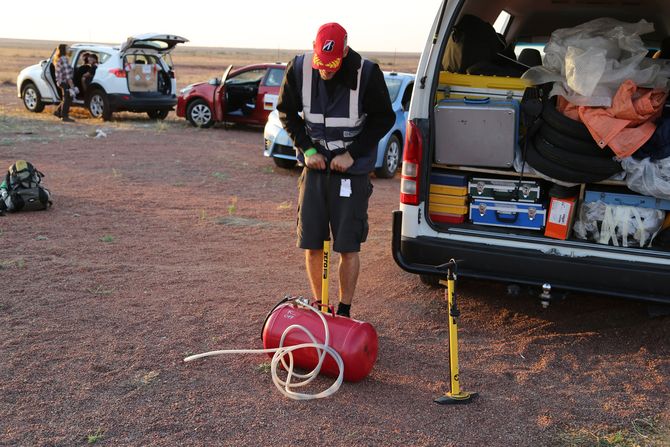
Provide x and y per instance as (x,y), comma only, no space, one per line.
(185,90)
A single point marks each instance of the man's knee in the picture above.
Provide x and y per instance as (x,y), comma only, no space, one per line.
(314,252)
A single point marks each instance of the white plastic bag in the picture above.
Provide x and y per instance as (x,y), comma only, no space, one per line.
(627,226)
(651,178)
(589,62)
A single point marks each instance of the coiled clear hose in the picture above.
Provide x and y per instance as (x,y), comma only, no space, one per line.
(286,386)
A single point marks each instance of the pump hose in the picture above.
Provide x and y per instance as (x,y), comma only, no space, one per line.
(285,386)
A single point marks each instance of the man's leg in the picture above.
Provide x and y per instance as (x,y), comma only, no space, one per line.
(350,265)
(312,225)
(314,263)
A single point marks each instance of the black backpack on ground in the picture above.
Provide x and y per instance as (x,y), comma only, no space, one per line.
(21,189)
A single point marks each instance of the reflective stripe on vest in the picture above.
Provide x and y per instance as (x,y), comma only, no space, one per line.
(319,125)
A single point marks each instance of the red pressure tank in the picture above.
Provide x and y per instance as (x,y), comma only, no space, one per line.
(355,341)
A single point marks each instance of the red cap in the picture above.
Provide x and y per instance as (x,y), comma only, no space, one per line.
(329,45)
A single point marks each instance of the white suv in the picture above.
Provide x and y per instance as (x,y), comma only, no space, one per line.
(136,76)
(462,140)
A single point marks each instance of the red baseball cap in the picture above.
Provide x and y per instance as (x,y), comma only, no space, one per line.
(329,45)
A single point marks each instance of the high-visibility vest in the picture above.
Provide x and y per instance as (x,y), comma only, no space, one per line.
(334,123)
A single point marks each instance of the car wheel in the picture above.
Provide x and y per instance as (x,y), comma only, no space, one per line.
(596,165)
(98,105)
(391,158)
(199,113)
(32,99)
(159,114)
(563,124)
(557,171)
(574,145)
(430,280)
(284,163)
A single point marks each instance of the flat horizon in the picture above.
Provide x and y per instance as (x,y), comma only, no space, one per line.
(186,46)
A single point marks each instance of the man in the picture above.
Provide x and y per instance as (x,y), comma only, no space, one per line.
(347,110)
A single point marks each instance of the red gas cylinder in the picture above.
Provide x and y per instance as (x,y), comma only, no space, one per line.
(355,341)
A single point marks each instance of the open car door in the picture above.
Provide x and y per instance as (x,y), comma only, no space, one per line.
(49,76)
(220,95)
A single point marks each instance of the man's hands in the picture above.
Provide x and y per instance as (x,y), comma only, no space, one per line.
(339,163)
(316,161)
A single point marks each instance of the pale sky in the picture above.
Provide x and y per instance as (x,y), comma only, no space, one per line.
(372,25)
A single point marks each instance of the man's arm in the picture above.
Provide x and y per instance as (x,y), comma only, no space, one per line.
(289,106)
(380,115)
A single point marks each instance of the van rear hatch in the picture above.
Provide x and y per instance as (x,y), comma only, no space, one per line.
(159,43)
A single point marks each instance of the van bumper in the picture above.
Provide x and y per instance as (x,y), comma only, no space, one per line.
(422,255)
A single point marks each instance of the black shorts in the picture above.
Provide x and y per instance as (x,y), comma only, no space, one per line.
(347,216)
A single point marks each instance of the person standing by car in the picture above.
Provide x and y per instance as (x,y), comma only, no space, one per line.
(347,110)
(65,82)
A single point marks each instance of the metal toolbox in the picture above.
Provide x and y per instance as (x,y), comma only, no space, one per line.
(448,213)
(448,178)
(448,199)
(476,132)
(530,216)
(504,189)
(457,85)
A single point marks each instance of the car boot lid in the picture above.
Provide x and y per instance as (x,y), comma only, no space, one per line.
(161,43)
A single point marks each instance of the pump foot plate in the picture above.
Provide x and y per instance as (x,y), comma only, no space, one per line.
(452,399)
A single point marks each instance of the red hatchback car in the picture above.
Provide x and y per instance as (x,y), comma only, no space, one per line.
(244,95)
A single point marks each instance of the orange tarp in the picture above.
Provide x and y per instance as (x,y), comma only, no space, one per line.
(627,124)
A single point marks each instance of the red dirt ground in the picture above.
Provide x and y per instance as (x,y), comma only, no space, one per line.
(165,240)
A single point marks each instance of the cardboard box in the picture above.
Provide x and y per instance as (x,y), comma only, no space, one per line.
(561,216)
(142,78)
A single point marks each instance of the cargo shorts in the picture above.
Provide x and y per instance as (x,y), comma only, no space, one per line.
(334,202)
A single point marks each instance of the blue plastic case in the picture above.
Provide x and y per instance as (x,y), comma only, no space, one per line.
(530,216)
(635,200)
(446,178)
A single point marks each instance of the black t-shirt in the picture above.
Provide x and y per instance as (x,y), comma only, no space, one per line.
(79,72)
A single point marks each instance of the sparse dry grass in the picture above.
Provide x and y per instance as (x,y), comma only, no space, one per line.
(17,54)
(646,432)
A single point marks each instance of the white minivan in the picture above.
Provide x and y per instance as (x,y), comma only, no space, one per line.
(495,177)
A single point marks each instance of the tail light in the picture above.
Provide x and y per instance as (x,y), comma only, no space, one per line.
(118,72)
(411,165)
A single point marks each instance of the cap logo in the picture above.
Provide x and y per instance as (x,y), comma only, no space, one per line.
(328,45)
(332,65)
